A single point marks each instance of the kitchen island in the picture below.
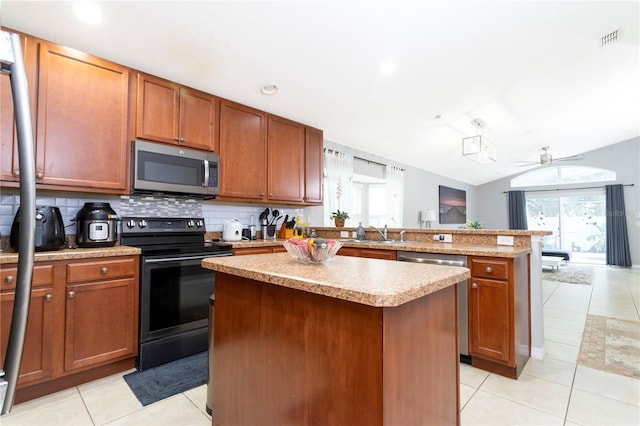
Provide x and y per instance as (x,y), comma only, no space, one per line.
(351,341)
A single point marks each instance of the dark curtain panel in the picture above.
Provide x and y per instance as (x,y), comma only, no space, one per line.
(517,210)
(617,238)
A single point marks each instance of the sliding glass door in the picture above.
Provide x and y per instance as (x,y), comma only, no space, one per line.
(576,218)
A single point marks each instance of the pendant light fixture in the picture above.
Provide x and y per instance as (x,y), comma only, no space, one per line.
(478,148)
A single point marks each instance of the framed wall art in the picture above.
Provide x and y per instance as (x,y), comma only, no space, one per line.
(453,205)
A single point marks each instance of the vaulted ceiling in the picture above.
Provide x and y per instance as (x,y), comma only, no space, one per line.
(534,72)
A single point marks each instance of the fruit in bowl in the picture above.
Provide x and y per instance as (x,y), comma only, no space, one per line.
(312,250)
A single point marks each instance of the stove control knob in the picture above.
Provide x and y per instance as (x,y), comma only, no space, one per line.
(131,223)
(142,223)
(199,223)
(190,223)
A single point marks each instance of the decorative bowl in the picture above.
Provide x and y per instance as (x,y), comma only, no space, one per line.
(312,253)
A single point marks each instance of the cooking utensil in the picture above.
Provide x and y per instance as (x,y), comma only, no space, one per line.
(275,215)
(263,217)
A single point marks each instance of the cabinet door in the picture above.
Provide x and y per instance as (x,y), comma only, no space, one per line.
(9,167)
(158,114)
(490,319)
(285,161)
(37,353)
(242,152)
(252,250)
(348,251)
(378,254)
(198,113)
(100,322)
(313,166)
(82,121)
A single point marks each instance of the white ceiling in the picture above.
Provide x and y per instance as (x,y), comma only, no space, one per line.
(535,72)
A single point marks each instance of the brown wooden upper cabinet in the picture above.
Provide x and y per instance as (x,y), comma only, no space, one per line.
(243,152)
(285,160)
(81,121)
(266,158)
(9,167)
(313,166)
(171,113)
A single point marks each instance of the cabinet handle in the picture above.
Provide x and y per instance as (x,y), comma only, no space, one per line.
(39,175)
(488,270)
(177,139)
(104,270)
(16,173)
(71,294)
(474,285)
(9,279)
(48,297)
(181,139)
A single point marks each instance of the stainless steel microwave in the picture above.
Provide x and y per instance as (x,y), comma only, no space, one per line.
(163,168)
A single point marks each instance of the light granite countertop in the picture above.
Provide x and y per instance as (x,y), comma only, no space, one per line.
(70,254)
(371,282)
(415,246)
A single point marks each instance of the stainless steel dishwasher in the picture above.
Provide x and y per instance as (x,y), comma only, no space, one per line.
(463,314)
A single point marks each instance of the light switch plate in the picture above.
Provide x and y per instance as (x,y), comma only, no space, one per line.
(446,238)
(344,234)
(504,240)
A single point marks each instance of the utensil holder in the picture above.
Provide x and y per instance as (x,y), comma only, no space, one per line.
(268,232)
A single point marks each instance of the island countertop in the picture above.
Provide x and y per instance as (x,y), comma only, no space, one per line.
(370,282)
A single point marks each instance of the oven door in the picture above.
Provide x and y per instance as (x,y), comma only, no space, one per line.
(174,295)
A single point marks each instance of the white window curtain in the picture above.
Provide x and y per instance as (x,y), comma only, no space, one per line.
(395,196)
(338,175)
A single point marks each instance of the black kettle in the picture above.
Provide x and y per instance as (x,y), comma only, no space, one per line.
(49,229)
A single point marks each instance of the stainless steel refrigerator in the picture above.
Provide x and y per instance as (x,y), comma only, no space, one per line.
(12,63)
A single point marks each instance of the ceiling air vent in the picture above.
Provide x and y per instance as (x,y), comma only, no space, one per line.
(610,38)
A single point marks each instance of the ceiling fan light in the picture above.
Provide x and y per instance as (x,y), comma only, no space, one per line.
(478,149)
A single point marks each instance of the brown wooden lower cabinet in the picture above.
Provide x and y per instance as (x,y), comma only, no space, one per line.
(499,323)
(370,253)
(82,322)
(287,357)
(258,250)
(37,356)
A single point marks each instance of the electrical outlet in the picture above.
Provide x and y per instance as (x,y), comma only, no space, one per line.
(436,237)
(504,240)
(354,234)
(344,234)
(446,238)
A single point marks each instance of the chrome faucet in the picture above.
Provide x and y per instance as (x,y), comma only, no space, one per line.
(402,236)
(382,234)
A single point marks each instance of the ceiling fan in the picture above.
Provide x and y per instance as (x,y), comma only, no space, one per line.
(547,158)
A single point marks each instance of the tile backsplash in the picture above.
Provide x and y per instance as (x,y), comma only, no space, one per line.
(214,213)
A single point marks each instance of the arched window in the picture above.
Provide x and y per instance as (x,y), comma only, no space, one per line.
(562,175)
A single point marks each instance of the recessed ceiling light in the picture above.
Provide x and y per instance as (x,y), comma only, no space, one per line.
(269,89)
(387,67)
(87,12)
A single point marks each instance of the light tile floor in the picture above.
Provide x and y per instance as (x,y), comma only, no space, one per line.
(555,391)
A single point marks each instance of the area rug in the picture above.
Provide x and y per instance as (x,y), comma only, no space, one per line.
(611,345)
(169,379)
(569,274)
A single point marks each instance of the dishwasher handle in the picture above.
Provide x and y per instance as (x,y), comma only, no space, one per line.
(441,262)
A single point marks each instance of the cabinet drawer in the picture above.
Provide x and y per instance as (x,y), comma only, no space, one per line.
(42,276)
(100,270)
(490,268)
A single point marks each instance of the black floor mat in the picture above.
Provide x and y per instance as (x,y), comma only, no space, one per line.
(169,379)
